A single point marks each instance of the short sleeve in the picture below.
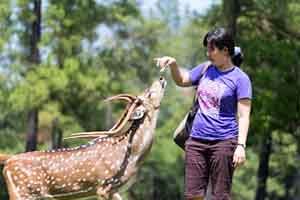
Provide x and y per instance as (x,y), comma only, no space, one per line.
(244,88)
(195,74)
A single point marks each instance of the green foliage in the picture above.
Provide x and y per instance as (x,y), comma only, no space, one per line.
(4,22)
(244,180)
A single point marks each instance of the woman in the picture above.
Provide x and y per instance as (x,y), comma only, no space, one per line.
(218,138)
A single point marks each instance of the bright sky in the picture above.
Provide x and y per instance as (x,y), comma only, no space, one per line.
(198,5)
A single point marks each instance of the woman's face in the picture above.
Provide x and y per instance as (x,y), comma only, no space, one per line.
(216,56)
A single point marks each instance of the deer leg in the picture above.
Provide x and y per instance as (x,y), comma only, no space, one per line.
(116,196)
(12,189)
(17,188)
(104,192)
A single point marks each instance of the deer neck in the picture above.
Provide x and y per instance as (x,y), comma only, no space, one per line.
(143,138)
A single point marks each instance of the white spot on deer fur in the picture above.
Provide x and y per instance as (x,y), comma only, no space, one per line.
(75,186)
(118,162)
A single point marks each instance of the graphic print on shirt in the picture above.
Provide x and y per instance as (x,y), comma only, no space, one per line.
(209,96)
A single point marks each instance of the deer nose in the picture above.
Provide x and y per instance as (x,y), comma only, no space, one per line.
(163,82)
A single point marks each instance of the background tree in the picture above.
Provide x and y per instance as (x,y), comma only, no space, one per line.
(35,37)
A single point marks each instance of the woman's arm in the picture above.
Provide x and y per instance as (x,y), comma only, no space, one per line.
(243,115)
(179,75)
(244,107)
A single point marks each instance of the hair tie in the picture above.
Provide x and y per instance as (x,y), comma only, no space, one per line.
(237,51)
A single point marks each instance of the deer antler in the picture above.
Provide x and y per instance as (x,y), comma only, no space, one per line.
(116,130)
(126,97)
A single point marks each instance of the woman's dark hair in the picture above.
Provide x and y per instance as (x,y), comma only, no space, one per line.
(221,39)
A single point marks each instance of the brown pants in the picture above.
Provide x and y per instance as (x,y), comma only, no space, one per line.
(209,160)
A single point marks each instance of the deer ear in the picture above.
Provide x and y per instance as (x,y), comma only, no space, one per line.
(138,113)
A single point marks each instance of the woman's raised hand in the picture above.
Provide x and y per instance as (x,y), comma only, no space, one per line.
(165,61)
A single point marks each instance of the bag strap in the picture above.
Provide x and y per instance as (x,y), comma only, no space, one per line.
(206,65)
(204,69)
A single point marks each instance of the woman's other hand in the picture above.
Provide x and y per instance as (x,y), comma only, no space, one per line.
(239,156)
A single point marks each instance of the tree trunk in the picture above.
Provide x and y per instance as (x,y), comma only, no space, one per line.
(296,186)
(231,9)
(32,120)
(56,142)
(296,179)
(32,123)
(263,168)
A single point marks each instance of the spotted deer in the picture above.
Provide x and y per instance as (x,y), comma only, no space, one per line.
(98,168)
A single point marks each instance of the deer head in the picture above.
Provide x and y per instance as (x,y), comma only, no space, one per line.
(98,168)
(147,102)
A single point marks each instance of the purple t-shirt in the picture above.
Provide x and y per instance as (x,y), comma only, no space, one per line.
(218,93)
